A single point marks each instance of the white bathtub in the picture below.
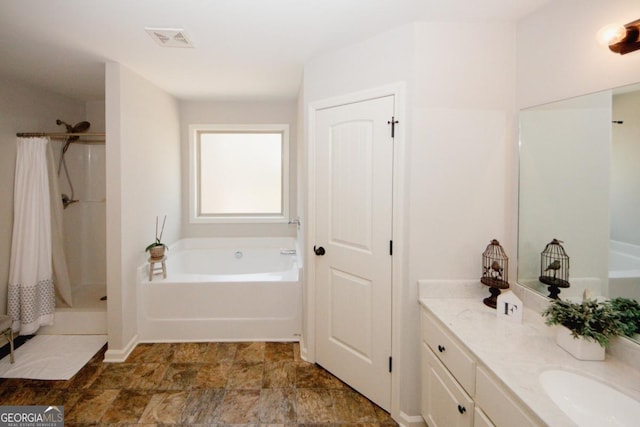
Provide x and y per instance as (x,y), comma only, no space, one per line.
(223,289)
(624,270)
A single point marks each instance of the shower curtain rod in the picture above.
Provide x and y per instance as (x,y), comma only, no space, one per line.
(59,135)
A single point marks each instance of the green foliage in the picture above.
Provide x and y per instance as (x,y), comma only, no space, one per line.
(629,314)
(154,244)
(593,320)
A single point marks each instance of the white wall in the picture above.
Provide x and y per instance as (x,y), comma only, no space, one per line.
(457,131)
(239,112)
(625,174)
(96,115)
(462,124)
(559,57)
(301,201)
(381,60)
(143,181)
(23,108)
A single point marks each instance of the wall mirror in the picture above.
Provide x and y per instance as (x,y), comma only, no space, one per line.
(580,183)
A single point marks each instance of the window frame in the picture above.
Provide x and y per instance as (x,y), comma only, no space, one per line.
(195,130)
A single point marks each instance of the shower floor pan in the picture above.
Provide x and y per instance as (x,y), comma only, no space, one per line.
(88,316)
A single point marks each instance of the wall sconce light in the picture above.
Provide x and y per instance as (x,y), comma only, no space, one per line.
(621,39)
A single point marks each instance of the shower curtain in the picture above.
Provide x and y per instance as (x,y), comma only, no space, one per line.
(31,293)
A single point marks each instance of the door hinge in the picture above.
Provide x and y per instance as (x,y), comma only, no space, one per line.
(393,122)
(390,363)
(390,247)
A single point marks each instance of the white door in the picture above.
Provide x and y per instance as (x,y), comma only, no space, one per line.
(354,171)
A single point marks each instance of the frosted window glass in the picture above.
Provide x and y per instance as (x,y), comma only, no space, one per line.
(240,174)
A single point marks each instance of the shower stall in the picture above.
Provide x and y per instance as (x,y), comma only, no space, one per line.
(80,168)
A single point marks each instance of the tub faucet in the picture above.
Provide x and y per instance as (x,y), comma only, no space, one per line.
(295,221)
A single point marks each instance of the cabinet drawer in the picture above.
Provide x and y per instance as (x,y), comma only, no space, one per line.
(499,404)
(443,402)
(481,420)
(457,359)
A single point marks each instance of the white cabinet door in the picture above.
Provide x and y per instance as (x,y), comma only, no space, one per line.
(443,402)
(499,404)
(480,419)
(452,354)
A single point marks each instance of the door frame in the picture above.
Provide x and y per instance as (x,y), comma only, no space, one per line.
(307,345)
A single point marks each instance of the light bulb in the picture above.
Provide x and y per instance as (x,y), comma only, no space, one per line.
(611,34)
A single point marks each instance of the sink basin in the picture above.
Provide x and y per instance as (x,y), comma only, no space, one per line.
(589,402)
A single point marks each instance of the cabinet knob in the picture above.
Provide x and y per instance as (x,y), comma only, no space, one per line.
(462,409)
(441,348)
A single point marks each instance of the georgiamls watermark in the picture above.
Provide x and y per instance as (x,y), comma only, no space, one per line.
(32,416)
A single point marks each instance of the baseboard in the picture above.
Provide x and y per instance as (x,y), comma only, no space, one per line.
(304,354)
(119,356)
(406,420)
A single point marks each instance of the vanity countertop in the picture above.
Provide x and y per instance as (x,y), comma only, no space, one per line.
(518,353)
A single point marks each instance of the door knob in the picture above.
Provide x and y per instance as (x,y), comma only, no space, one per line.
(319,251)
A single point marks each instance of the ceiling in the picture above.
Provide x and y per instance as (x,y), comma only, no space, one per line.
(242,48)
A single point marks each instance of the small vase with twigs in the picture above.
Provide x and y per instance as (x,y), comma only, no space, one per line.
(157,248)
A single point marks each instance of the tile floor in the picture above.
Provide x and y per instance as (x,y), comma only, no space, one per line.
(202,383)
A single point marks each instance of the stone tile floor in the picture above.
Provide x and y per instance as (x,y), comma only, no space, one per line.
(221,384)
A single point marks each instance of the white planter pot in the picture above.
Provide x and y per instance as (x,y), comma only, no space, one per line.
(579,348)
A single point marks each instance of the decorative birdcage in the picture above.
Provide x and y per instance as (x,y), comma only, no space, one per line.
(495,271)
(554,268)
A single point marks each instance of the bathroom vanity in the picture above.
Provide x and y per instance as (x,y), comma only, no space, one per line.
(459,391)
(478,370)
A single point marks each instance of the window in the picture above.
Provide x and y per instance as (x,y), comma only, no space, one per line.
(239,173)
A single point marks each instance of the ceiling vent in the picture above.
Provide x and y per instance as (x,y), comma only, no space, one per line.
(169,37)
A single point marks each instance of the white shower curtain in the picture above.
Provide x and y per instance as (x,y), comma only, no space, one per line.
(31,296)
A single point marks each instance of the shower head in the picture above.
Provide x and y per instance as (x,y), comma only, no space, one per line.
(81,127)
(78,128)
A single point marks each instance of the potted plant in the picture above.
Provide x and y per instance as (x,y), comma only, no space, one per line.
(629,314)
(157,248)
(585,327)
